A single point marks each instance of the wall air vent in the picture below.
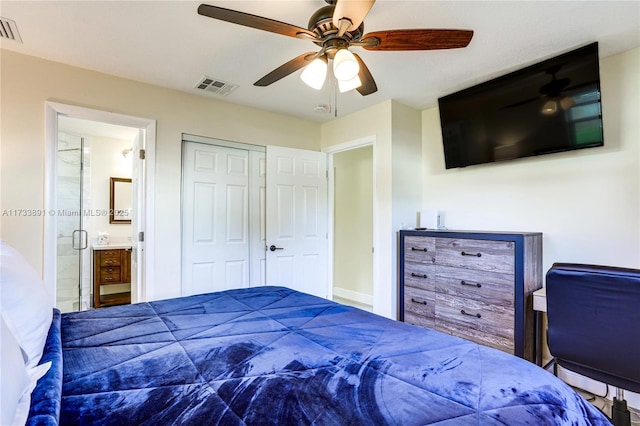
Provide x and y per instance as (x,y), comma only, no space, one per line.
(215,85)
(9,30)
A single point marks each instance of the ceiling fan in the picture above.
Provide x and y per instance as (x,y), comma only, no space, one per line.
(335,28)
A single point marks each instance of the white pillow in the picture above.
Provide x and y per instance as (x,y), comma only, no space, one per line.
(13,375)
(25,303)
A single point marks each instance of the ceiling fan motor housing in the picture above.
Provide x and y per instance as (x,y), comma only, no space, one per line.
(321,23)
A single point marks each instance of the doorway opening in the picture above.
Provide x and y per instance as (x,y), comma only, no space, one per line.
(352,223)
(86,151)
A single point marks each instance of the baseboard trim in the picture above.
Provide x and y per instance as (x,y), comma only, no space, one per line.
(365,299)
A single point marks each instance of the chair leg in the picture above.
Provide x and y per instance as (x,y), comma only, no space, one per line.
(553,363)
(620,414)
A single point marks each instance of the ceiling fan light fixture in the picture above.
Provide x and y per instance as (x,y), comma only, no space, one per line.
(550,107)
(346,85)
(345,65)
(314,74)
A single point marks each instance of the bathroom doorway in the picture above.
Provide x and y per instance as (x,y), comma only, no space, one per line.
(86,151)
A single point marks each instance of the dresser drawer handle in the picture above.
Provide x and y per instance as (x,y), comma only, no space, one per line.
(464,253)
(463,282)
(109,262)
(424,302)
(109,269)
(108,278)
(418,275)
(418,249)
(463,312)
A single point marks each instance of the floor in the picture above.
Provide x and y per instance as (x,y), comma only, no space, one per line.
(353,303)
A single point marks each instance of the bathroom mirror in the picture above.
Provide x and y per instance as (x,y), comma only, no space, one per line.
(120,200)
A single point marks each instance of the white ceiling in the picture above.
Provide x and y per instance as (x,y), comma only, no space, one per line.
(168,44)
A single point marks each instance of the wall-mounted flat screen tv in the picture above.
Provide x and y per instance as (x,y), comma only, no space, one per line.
(552,106)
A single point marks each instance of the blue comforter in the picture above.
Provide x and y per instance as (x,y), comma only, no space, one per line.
(271,355)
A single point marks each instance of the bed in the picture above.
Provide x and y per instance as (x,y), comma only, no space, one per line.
(271,355)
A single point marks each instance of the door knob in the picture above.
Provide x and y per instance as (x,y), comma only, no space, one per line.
(274,248)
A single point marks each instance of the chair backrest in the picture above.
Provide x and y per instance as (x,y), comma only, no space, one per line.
(594,322)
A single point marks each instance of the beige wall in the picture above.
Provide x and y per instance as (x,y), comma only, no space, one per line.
(27,82)
(353,223)
(397,169)
(373,123)
(586,202)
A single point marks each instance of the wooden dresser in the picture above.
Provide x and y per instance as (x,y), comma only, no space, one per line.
(111,266)
(475,285)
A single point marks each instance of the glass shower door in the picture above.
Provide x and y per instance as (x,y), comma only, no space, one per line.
(72,237)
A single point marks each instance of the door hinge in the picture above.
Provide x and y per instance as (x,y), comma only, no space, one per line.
(141,236)
(142,154)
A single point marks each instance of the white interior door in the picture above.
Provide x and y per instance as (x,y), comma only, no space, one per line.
(296,216)
(215,240)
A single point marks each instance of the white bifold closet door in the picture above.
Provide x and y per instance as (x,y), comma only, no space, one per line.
(215,218)
(250,219)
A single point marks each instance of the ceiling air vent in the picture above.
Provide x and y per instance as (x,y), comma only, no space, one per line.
(217,86)
(9,30)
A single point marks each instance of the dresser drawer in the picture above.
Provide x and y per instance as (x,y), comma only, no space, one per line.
(492,341)
(485,286)
(110,254)
(420,249)
(481,322)
(109,261)
(482,255)
(420,275)
(106,270)
(110,278)
(419,307)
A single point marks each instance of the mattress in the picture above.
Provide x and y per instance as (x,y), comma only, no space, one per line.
(274,356)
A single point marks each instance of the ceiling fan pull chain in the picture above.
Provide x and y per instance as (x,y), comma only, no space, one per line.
(335,97)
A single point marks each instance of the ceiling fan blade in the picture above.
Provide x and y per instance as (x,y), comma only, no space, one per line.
(415,39)
(254,21)
(368,83)
(286,69)
(353,10)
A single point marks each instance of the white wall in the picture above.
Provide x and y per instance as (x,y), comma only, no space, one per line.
(107,161)
(27,82)
(586,203)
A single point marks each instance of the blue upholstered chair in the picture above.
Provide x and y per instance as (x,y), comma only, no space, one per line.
(594,326)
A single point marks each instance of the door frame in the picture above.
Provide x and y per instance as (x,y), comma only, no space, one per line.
(330,151)
(145,289)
